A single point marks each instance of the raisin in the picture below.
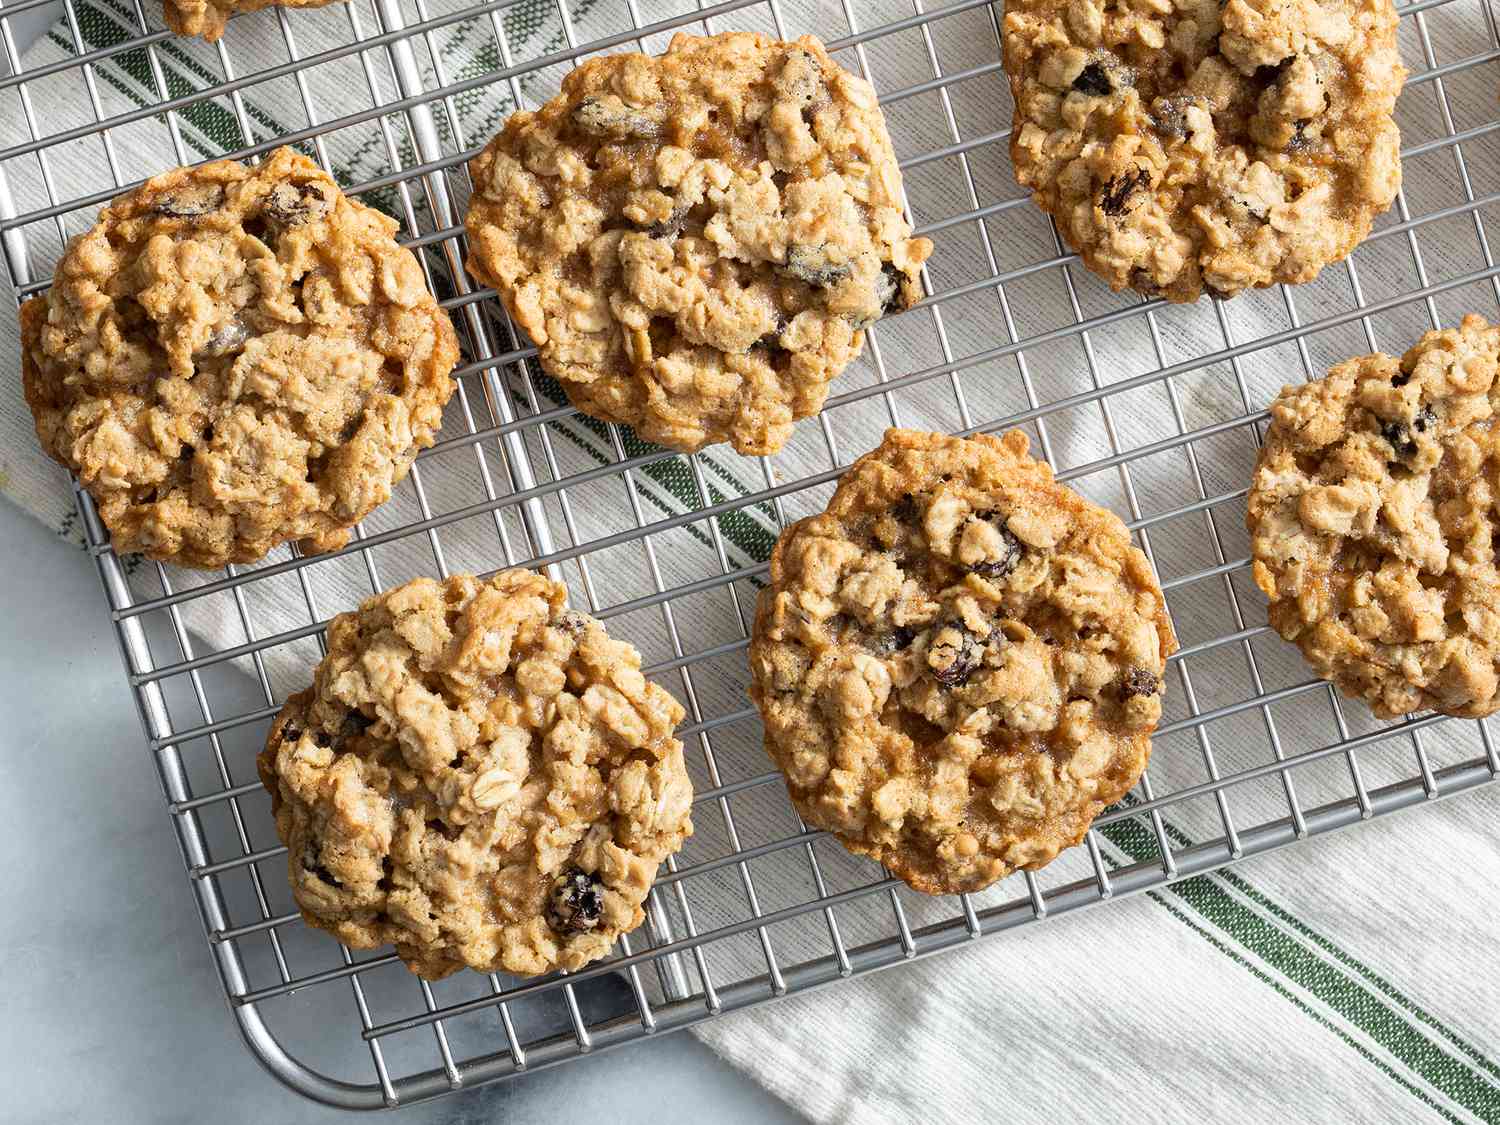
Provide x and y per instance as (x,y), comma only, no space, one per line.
(355,723)
(1011,550)
(890,289)
(1094,81)
(447,831)
(576,903)
(190,202)
(1143,283)
(1270,72)
(609,116)
(952,654)
(311,865)
(1400,379)
(323,738)
(670,227)
(289,204)
(1118,191)
(904,510)
(226,339)
(811,265)
(772,338)
(1139,681)
(289,734)
(572,623)
(898,639)
(1399,433)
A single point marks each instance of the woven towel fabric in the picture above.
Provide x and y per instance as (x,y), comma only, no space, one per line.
(1353,977)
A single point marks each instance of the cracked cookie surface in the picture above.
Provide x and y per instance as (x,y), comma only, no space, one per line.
(695,242)
(960,662)
(479,776)
(1208,146)
(234,357)
(1372,518)
(207,18)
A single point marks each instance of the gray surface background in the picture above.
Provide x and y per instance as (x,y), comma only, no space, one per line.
(110,1008)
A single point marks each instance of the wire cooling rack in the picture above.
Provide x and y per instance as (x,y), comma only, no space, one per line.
(1153,409)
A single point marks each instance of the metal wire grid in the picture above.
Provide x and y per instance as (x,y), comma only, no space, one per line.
(1252,755)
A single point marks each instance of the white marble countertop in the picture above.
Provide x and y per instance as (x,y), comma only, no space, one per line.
(111,1010)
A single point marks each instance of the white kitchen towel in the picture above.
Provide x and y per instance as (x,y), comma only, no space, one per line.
(1349,978)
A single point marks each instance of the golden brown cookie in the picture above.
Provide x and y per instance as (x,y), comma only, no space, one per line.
(479,776)
(208,17)
(696,242)
(234,357)
(1209,145)
(960,662)
(1372,518)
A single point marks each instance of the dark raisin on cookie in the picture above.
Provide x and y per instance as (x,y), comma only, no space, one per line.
(891,289)
(772,338)
(670,227)
(1094,81)
(904,510)
(355,723)
(572,623)
(952,654)
(311,865)
(1264,75)
(190,202)
(600,117)
(897,640)
(1399,433)
(1118,191)
(226,339)
(576,903)
(1011,550)
(291,204)
(811,265)
(1139,681)
(290,733)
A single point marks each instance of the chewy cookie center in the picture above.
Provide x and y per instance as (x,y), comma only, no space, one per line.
(981,641)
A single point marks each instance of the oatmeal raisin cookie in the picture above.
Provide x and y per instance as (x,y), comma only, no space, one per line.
(479,776)
(1206,145)
(234,357)
(1372,518)
(696,242)
(960,662)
